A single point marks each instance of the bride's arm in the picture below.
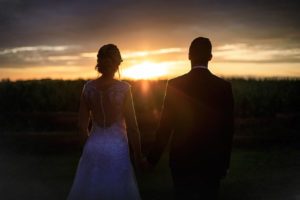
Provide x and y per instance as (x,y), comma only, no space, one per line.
(132,126)
(83,117)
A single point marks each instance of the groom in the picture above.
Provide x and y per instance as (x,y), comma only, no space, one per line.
(198,113)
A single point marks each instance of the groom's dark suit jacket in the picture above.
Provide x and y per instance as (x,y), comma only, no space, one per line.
(198,110)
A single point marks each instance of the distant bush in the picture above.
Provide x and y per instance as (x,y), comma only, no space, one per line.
(43,95)
(266,97)
(22,103)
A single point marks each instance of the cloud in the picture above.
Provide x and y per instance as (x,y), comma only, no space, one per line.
(33,48)
(256,53)
(135,54)
(61,55)
(153,52)
(37,56)
(132,22)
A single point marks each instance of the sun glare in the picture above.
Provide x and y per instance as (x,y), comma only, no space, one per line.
(145,70)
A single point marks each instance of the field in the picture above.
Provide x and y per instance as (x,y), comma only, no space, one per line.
(39,148)
(43,168)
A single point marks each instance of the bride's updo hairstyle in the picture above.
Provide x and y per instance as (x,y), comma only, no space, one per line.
(108,59)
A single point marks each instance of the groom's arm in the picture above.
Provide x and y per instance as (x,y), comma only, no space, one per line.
(164,129)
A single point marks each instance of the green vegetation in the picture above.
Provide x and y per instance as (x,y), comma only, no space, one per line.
(27,105)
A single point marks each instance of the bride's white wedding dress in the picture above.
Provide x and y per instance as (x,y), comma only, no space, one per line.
(105,170)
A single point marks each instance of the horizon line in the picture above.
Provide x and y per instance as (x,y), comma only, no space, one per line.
(160,79)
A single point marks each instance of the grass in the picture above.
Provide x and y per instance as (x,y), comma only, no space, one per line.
(34,168)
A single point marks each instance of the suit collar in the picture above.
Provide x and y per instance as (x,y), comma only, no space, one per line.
(199,67)
(198,72)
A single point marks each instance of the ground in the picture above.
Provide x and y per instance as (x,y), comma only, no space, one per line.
(42,167)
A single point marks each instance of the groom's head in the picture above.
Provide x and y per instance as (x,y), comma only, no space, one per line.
(200,51)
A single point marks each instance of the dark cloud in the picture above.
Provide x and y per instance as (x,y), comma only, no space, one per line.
(141,24)
(56,22)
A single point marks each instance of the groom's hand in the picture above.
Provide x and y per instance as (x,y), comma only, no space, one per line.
(147,167)
(138,161)
(226,173)
(143,165)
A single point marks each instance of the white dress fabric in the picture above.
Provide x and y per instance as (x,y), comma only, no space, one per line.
(105,171)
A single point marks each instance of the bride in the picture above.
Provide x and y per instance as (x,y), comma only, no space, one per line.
(104,170)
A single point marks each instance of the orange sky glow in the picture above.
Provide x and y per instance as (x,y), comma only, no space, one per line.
(228,61)
(59,40)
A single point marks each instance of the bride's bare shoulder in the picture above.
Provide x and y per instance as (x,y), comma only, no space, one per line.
(97,83)
(125,84)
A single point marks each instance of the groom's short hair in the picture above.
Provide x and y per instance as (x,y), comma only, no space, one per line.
(200,49)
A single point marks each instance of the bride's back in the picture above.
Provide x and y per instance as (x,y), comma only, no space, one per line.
(105,101)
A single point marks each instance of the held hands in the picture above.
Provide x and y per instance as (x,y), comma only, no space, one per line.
(226,173)
(142,163)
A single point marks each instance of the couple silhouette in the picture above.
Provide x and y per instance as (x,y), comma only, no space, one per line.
(197,116)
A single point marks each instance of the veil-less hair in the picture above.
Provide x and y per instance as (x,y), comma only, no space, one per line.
(108,59)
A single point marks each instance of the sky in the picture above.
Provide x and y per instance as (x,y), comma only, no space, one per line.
(60,38)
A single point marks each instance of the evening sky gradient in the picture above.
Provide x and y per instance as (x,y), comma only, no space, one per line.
(40,38)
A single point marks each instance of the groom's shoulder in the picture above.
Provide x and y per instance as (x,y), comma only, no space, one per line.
(221,81)
(177,80)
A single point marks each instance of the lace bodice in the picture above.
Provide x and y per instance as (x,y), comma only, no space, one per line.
(106,105)
(111,105)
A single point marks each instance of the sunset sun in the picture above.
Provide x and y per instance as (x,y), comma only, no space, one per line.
(145,70)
